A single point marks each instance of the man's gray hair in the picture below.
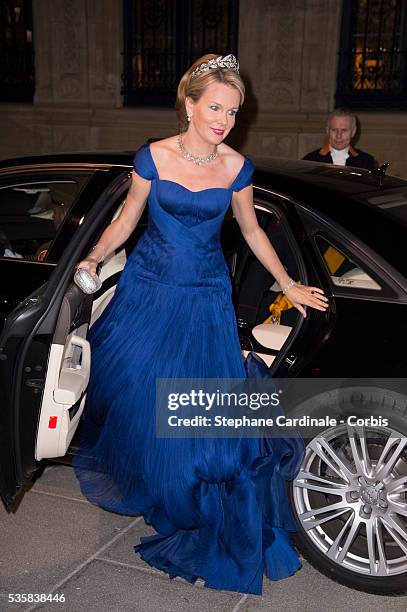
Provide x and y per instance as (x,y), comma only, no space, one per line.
(341,111)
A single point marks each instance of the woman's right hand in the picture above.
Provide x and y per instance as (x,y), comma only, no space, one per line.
(89,264)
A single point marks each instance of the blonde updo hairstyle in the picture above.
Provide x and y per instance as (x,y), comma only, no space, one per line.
(195,86)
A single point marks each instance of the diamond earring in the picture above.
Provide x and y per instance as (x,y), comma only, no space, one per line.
(189,117)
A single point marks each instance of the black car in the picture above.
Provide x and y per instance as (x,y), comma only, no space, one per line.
(339,228)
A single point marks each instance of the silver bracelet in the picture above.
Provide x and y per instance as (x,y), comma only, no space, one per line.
(288,286)
(101,246)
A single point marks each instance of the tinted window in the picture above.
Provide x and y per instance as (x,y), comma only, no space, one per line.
(343,271)
(31,214)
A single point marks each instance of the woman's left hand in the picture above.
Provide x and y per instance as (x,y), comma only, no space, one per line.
(309,296)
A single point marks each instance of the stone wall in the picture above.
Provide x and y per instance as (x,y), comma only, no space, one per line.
(287,51)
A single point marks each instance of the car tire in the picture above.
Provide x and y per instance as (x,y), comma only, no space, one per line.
(385,571)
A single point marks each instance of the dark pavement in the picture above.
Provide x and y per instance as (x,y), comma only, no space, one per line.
(57,542)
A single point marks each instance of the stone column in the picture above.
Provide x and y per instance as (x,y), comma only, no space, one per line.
(319,56)
(61,48)
(288,52)
(270,48)
(270,43)
(319,60)
(105,48)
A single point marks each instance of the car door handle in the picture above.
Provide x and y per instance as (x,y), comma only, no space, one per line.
(35,383)
(73,381)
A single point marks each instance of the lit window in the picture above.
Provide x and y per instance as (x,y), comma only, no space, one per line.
(162,38)
(372,69)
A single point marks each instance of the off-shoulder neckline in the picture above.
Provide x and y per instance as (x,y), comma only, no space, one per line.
(230,188)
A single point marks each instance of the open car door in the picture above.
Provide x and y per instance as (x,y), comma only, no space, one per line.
(45,358)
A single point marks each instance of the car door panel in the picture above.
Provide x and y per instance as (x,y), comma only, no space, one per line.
(67,377)
(21,386)
(47,359)
(369,306)
(362,343)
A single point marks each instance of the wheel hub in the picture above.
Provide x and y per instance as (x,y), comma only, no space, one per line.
(372,493)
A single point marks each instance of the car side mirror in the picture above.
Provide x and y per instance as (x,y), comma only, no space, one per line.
(381,170)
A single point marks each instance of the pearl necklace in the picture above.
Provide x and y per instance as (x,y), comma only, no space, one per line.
(196,158)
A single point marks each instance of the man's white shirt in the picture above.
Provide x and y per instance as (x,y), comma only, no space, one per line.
(339,157)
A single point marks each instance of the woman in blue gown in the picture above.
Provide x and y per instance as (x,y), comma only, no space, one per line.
(219,506)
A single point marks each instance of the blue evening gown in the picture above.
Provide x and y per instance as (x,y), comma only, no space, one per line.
(219,506)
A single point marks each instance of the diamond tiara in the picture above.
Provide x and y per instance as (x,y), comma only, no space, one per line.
(227,61)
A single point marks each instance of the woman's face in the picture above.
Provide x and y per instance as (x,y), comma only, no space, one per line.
(214,114)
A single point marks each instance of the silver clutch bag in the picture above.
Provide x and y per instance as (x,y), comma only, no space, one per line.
(86,281)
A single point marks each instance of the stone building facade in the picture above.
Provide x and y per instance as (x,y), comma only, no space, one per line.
(288,52)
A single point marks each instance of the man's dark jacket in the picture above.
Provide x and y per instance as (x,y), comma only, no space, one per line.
(356,159)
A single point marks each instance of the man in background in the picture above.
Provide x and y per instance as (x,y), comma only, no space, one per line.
(341,129)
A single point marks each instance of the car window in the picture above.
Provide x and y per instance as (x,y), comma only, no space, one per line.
(343,271)
(31,213)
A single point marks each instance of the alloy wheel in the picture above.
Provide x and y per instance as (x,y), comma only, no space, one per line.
(350,498)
